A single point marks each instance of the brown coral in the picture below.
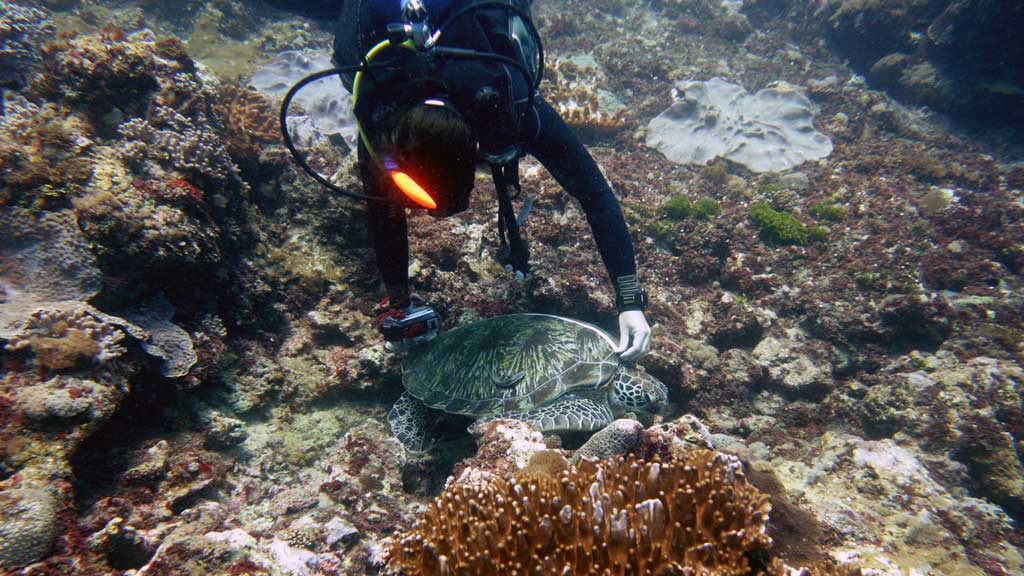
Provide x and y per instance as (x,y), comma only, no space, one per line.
(98,72)
(622,516)
(42,152)
(249,120)
(62,339)
(573,90)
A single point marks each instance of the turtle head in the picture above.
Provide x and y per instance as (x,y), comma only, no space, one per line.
(633,390)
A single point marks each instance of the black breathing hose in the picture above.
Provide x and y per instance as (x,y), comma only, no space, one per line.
(288,138)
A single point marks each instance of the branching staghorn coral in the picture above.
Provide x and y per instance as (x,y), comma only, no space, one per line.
(613,517)
(179,142)
(249,120)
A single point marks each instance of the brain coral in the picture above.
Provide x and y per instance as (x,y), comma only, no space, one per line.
(28,525)
(621,516)
(767,131)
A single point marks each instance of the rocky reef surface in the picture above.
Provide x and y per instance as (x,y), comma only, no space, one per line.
(955,56)
(190,382)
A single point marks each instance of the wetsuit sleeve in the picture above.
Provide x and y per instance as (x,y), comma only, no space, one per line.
(555,145)
(389,230)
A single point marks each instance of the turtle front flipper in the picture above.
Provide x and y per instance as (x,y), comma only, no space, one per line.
(569,413)
(410,422)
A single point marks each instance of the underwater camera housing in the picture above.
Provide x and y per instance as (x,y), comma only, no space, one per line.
(419,321)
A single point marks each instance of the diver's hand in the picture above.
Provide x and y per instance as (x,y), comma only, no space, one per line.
(634,336)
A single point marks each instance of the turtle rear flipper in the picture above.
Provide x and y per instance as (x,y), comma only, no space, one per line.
(410,422)
(569,413)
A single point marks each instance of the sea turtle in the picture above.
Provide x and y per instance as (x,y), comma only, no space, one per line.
(555,373)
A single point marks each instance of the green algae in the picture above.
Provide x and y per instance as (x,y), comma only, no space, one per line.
(679,207)
(780,227)
(827,211)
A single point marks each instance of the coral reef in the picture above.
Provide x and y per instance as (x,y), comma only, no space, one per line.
(42,153)
(65,399)
(771,130)
(578,88)
(162,338)
(28,526)
(503,446)
(61,339)
(97,73)
(178,142)
(882,367)
(249,120)
(622,515)
(325,102)
(23,30)
(940,54)
(156,85)
(44,258)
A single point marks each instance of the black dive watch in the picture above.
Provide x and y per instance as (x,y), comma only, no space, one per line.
(629,295)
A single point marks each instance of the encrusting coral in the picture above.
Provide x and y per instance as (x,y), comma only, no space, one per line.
(575,89)
(621,516)
(61,339)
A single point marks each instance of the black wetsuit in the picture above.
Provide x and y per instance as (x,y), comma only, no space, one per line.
(540,132)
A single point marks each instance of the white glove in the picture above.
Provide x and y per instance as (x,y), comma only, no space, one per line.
(634,336)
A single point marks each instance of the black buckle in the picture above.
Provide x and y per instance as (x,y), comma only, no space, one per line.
(629,295)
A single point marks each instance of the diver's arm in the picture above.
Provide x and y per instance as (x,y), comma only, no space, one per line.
(390,233)
(558,149)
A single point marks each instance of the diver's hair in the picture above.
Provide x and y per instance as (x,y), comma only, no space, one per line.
(435,139)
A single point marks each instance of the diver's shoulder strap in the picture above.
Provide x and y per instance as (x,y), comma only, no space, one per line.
(514,250)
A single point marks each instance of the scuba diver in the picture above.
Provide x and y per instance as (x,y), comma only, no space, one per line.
(438,87)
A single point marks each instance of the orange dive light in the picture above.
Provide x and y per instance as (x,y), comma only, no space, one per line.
(412,190)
